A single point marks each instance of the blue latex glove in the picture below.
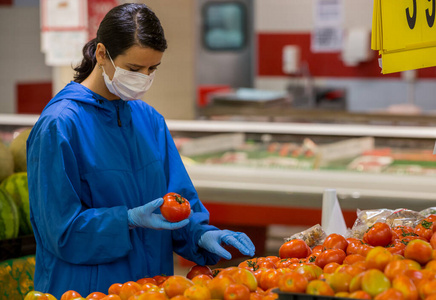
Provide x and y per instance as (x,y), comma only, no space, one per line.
(143,216)
(211,241)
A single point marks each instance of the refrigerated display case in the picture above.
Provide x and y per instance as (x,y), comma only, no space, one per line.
(255,174)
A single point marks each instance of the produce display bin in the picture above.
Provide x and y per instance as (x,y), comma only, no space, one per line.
(298,296)
(18,247)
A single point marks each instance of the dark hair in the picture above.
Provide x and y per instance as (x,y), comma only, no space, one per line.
(123,27)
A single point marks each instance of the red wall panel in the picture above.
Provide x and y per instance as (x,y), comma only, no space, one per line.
(270,47)
(33,97)
(6,2)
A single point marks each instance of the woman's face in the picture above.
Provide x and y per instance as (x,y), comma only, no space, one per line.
(135,59)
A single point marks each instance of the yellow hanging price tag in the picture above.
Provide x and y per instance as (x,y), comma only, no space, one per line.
(407,22)
(404,32)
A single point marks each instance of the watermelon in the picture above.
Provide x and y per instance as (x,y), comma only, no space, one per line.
(9,217)
(6,162)
(18,150)
(16,186)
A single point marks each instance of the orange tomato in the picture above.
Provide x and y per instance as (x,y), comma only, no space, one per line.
(318,249)
(406,286)
(342,295)
(379,234)
(293,282)
(339,282)
(216,271)
(353,246)
(351,270)
(309,271)
(197,270)
(335,241)
(330,267)
(218,285)
(395,268)
(35,295)
(352,258)
(202,279)
(418,250)
(375,282)
(153,296)
(143,281)
(433,240)
(176,285)
(283,263)
(399,232)
(111,297)
(426,287)
(419,275)
(250,264)
(242,276)
(128,289)
(96,295)
(294,248)
(413,265)
(378,258)
(50,296)
(179,297)
(390,294)
(424,229)
(397,247)
(197,292)
(115,288)
(319,287)
(136,295)
(356,282)
(68,295)
(359,295)
(237,292)
(330,255)
(160,279)
(269,279)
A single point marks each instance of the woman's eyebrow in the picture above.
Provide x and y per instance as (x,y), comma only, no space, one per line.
(140,66)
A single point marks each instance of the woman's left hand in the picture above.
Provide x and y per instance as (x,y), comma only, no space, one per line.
(211,241)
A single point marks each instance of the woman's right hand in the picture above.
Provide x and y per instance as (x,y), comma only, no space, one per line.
(143,216)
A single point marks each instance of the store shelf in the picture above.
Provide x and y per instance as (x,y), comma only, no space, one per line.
(305,129)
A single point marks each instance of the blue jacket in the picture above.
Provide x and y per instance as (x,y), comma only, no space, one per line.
(89,161)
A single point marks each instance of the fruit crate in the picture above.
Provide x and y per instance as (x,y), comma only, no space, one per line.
(17,247)
(299,296)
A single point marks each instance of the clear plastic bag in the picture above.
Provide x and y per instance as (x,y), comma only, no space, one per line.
(404,217)
(313,236)
(428,211)
(367,218)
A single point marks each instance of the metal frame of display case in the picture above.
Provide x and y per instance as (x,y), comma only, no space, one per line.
(288,189)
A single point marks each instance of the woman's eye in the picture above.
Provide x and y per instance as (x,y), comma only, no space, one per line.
(134,70)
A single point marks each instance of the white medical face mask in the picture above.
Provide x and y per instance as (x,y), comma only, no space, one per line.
(126,84)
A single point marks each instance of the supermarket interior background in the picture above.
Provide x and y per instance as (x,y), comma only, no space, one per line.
(270,103)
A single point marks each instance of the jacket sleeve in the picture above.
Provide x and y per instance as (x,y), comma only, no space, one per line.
(185,240)
(62,223)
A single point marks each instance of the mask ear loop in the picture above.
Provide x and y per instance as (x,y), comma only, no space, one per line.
(111,59)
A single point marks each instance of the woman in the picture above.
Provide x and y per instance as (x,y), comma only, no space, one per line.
(99,165)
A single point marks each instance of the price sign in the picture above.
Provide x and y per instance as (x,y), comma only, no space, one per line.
(404,32)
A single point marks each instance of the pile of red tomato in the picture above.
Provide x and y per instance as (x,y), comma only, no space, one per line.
(397,263)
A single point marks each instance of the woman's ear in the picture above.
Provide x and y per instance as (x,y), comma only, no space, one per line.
(100,54)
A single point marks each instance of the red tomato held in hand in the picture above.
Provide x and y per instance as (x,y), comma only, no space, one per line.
(175,208)
(379,234)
